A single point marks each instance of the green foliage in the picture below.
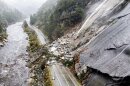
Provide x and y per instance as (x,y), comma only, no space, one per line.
(25,25)
(68,63)
(12,16)
(47,79)
(33,19)
(55,21)
(33,41)
(37,62)
(7,16)
(3,24)
(1,29)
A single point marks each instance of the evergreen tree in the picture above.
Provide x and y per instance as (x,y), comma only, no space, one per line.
(60,15)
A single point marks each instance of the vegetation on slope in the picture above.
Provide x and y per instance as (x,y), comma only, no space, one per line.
(3,34)
(7,16)
(39,55)
(56,20)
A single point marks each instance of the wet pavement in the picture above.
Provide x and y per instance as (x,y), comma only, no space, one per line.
(41,37)
(61,76)
(13,56)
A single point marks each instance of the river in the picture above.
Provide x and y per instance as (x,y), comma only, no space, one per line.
(13,56)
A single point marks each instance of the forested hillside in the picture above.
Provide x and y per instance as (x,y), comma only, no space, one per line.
(59,16)
(7,16)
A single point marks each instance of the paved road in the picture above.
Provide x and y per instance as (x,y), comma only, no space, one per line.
(62,75)
(40,35)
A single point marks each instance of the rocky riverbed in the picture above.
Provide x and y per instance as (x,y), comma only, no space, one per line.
(13,70)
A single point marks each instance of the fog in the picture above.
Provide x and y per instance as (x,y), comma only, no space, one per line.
(27,7)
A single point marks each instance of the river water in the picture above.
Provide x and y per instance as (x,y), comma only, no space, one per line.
(13,56)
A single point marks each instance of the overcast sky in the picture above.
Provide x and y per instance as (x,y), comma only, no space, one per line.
(27,7)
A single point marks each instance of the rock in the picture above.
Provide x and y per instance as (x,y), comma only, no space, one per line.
(1,44)
(43,57)
(32,75)
(30,80)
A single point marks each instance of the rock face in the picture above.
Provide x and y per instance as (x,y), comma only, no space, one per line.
(98,80)
(109,52)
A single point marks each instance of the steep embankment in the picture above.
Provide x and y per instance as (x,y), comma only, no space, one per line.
(7,17)
(109,51)
(39,56)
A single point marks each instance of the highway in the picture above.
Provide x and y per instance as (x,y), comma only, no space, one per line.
(41,37)
(61,76)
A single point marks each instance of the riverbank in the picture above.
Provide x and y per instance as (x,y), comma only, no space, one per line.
(39,55)
(3,38)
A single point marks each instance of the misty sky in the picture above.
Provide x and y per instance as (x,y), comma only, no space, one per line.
(27,7)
